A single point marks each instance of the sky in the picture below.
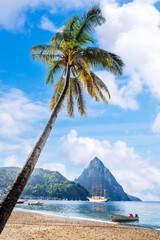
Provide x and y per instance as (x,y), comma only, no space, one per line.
(125,135)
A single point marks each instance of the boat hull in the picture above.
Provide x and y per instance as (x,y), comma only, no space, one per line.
(120,218)
(37,204)
(98,200)
(20,202)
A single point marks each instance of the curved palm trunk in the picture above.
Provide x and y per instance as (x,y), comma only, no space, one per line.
(12,196)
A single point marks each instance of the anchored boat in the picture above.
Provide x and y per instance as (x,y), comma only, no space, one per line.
(98,193)
(121,218)
(20,202)
(35,203)
(98,199)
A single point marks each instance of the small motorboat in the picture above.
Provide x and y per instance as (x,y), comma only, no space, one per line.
(121,218)
(35,203)
(20,202)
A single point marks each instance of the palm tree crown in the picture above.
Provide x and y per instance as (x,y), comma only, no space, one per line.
(70,48)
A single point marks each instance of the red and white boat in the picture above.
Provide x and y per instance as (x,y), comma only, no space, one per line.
(121,218)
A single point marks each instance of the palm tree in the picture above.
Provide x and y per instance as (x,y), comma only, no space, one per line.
(70,56)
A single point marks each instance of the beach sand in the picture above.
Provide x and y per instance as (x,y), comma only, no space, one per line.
(26,226)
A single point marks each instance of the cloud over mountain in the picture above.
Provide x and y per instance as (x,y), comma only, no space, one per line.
(137,176)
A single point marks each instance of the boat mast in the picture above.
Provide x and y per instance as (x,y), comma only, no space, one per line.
(93,190)
(97,188)
(100,189)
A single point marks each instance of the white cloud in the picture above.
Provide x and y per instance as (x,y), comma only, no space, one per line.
(55,167)
(6,147)
(18,113)
(13,13)
(132,31)
(17,146)
(11,161)
(133,173)
(20,120)
(156,124)
(46,24)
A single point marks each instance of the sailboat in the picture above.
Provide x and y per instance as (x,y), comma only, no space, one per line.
(98,199)
(97,195)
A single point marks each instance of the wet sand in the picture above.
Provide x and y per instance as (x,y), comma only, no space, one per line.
(26,226)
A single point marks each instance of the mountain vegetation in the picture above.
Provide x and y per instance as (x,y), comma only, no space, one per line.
(44,184)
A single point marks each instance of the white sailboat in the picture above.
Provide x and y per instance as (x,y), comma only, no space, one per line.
(97,194)
(98,199)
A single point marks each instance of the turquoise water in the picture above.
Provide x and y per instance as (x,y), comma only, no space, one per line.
(149,212)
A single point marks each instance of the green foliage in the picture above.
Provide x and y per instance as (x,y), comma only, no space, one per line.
(7,176)
(44,183)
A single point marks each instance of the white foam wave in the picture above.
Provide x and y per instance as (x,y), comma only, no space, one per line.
(157,229)
(50,214)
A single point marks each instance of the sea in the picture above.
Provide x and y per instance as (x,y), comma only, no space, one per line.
(149,212)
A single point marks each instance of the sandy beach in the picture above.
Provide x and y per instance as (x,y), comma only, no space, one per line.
(26,226)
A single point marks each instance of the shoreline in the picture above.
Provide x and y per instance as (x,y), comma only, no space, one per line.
(52,215)
(29,226)
(48,214)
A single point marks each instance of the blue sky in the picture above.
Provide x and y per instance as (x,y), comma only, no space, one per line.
(125,135)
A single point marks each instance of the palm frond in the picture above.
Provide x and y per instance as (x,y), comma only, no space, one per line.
(58,89)
(82,65)
(105,60)
(58,37)
(46,58)
(84,73)
(100,83)
(70,23)
(62,37)
(45,53)
(39,49)
(118,64)
(98,91)
(101,95)
(90,20)
(70,100)
(78,94)
(55,67)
